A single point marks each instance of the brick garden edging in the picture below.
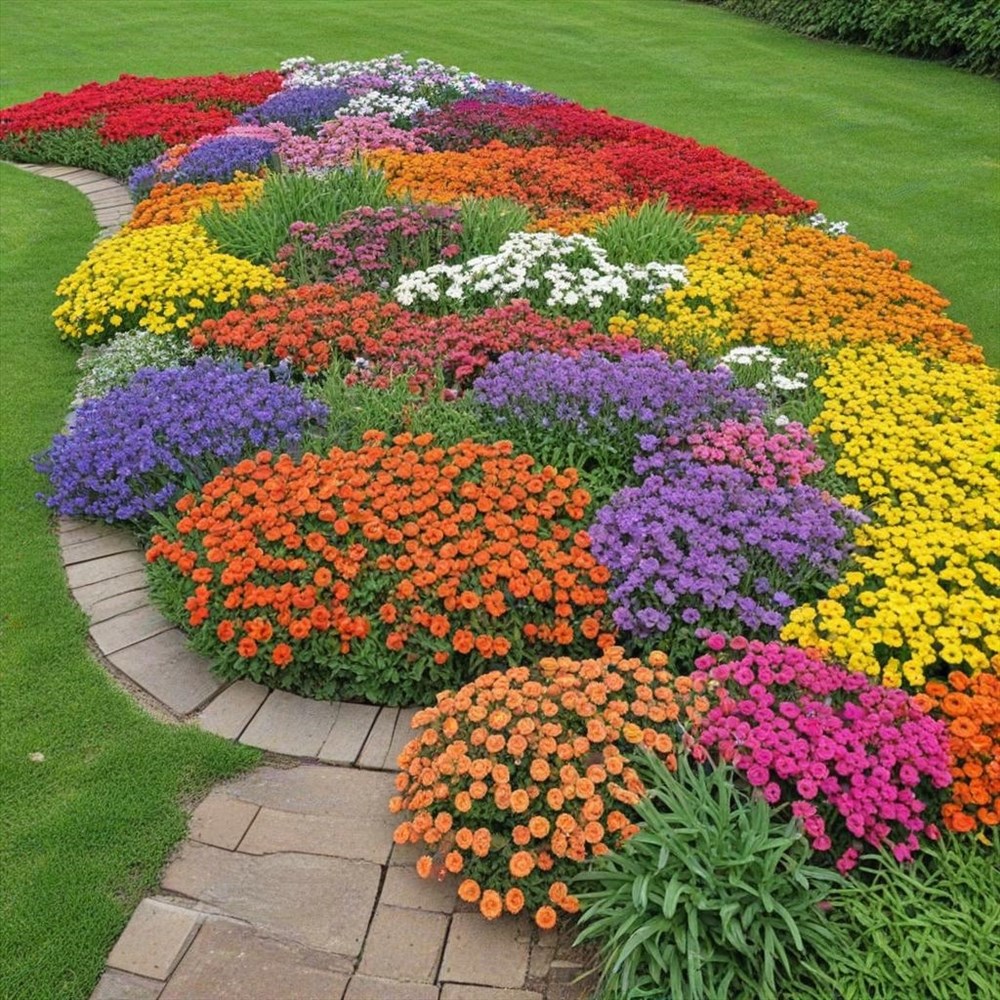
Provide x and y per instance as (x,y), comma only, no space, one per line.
(289,884)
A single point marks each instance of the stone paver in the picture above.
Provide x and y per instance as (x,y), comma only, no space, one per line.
(404,944)
(374,988)
(72,530)
(91,595)
(403,887)
(231,710)
(230,962)
(105,568)
(117,985)
(169,671)
(128,628)
(82,550)
(322,903)
(493,953)
(350,730)
(154,939)
(118,604)
(453,991)
(221,821)
(390,732)
(288,724)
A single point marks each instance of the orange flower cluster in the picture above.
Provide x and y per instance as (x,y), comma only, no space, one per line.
(771,282)
(971,707)
(542,177)
(171,203)
(518,777)
(386,573)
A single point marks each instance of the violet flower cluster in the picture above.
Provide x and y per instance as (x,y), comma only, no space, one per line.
(369,248)
(302,109)
(132,451)
(217,158)
(340,141)
(852,757)
(706,545)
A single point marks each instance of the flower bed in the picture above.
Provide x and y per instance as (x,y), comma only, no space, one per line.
(567,399)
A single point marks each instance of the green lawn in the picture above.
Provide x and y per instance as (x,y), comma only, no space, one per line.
(906,151)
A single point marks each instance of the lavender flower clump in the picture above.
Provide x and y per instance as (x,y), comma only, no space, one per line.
(591,411)
(130,452)
(221,159)
(302,109)
(517,94)
(708,545)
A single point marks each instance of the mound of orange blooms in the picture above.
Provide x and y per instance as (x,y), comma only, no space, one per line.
(172,203)
(518,777)
(771,282)
(307,572)
(971,707)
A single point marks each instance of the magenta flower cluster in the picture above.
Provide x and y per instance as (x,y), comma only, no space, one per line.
(853,759)
(339,141)
(369,248)
(782,459)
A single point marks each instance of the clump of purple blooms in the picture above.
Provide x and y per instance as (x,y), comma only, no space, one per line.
(369,249)
(339,141)
(302,109)
(848,754)
(132,451)
(701,544)
(215,158)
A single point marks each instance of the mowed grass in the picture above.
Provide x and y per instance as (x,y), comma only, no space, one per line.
(87,829)
(906,151)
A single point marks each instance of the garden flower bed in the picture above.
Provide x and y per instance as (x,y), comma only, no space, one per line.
(673,504)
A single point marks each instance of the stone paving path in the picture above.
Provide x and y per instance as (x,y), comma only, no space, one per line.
(289,886)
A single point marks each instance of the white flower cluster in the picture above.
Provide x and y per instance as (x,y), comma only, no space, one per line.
(568,273)
(400,76)
(396,106)
(820,221)
(768,369)
(113,364)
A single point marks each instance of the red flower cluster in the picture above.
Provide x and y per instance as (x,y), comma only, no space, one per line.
(312,324)
(648,161)
(182,108)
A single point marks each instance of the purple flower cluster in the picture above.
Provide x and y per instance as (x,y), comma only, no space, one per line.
(130,452)
(341,140)
(221,158)
(848,754)
(707,545)
(302,108)
(516,94)
(369,248)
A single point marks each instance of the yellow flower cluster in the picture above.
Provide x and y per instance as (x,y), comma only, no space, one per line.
(171,203)
(769,281)
(920,439)
(161,279)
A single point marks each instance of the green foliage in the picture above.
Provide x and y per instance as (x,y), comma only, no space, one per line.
(712,898)
(965,33)
(112,365)
(652,232)
(926,930)
(357,408)
(81,147)
(487,222)
(259,228)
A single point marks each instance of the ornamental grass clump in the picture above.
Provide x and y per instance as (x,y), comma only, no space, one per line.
(568,275)
(970,708)
(162,279)
(713,898)
(590,409)
(132,451)
(518,778)
(702,542)
(369,249)
(383,574)
(859,763)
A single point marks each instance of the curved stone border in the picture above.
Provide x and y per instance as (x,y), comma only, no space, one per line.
(289,884)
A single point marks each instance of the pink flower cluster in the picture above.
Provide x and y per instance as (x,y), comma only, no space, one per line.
(774,460)
(342,139)
(849,756)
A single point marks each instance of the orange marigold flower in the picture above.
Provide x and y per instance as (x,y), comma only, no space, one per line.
(545,918)
(469,891)
(490,904)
